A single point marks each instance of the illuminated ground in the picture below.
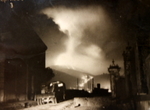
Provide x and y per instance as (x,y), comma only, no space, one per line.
(75,104)
(78,103)
(60,106)
(67,105)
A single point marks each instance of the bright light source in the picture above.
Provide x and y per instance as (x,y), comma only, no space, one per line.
(109,90)
(60,85)
(81,84)
(11,5)
(81,55)
(51,84)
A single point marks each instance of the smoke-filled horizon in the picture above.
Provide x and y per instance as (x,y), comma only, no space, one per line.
(90,39)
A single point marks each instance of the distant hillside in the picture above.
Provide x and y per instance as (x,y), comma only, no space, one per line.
(72,72)
(69,80)
(68,76)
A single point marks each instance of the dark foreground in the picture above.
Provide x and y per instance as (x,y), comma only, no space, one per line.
(84,103)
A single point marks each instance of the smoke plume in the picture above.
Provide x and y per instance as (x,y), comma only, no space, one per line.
(90,35)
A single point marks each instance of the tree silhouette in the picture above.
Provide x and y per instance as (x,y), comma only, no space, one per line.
(48,75)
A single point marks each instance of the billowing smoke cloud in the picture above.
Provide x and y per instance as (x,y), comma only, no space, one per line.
(88,30)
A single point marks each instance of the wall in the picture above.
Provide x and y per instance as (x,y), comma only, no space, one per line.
(2,77)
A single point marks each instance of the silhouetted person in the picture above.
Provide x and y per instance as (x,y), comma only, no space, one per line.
(98,86)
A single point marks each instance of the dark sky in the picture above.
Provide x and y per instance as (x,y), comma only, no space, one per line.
(85,35)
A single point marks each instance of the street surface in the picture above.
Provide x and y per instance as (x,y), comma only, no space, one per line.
(66,105)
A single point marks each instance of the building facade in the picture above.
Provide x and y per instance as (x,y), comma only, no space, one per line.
(136,65)
(22,59)
(114,77)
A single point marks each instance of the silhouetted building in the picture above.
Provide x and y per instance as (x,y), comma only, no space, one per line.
(142,53)
(114,76)
(103,79)
(117,82)
(147,66)
(120,88)
(136,66)
(100,91)
(72,93)
(22,59)
(130,71)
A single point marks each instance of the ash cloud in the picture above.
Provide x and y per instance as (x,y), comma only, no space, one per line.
(90,38)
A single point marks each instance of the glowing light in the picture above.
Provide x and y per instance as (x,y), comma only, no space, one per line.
(109,90)
(60,85)
(11,5)
(81,84)
(85,79)
(105,87)
(51,84)
(80,55)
